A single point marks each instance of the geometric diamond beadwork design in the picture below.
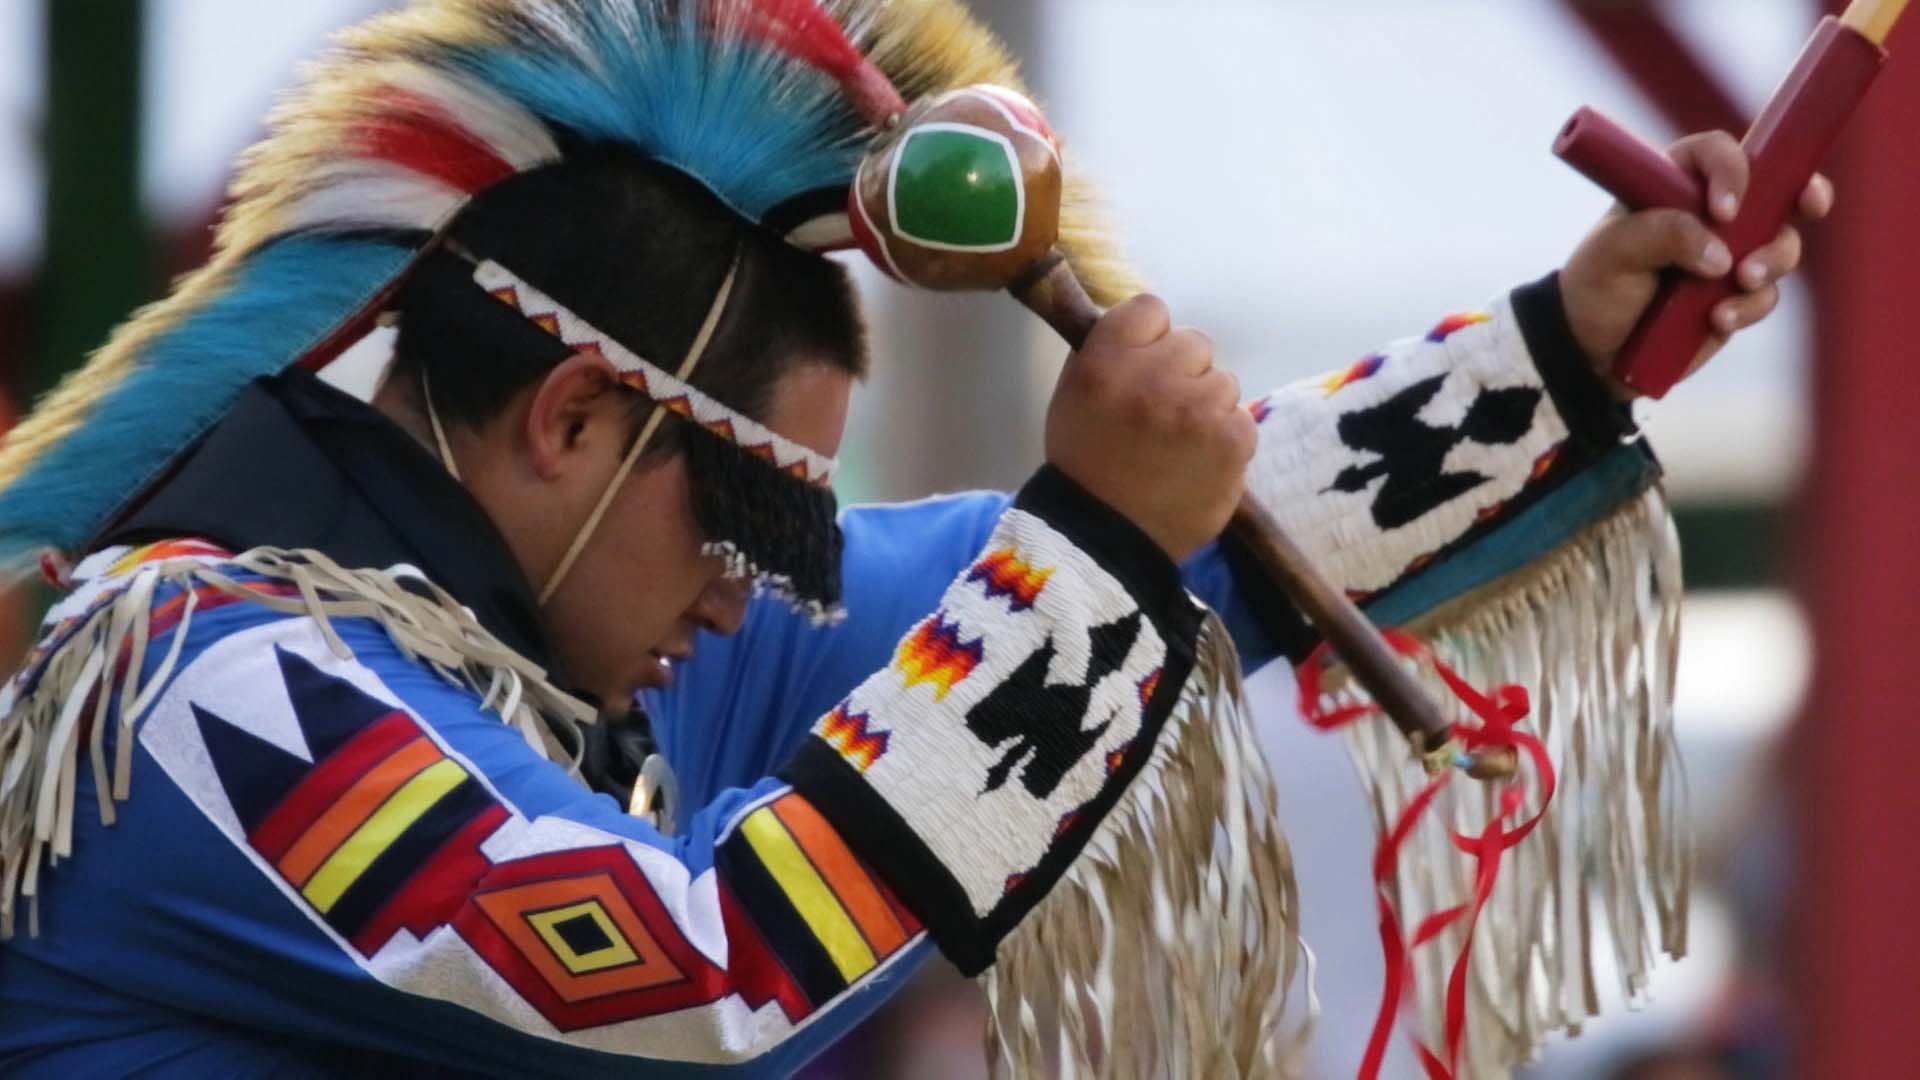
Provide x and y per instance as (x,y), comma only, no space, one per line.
(593,912)
(583,937)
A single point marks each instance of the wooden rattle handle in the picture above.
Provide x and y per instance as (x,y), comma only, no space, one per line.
(1054,292)
(964,193)
(1379,669)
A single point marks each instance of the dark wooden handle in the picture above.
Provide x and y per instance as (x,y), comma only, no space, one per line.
(1366,653)
(1054,292)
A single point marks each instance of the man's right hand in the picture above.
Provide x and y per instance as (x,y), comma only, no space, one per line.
(1143,420)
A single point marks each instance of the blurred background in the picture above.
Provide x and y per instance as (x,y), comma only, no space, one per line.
(1305,179)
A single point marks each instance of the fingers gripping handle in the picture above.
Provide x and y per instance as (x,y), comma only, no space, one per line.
(1054,292)
(1785,147)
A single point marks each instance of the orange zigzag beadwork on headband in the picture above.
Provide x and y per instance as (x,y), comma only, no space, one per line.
(669,392)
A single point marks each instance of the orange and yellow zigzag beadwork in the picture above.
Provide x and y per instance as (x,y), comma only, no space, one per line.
(1149,685)
(934,653)
(1543,464)
(1460,321)
(1363,368)
(848,733)
(1005,573)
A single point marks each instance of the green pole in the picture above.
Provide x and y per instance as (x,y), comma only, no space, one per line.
(98,264)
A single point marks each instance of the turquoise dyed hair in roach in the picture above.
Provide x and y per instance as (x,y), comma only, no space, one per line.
(288,296)
(391,135)
(742,119)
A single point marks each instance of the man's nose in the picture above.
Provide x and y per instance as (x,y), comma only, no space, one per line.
(722,606)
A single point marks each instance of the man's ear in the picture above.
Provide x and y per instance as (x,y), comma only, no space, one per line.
(570,412)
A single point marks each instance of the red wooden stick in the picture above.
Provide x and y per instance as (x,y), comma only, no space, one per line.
(1630,170)
(1785,145)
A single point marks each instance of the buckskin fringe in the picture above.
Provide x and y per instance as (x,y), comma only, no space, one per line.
(1171,947)
(101,664)
(1592,632)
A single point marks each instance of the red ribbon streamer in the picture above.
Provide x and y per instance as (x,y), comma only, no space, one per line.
(1499,715)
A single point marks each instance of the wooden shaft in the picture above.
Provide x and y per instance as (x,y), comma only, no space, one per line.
(1373,662)
(1054,292)
(1874,19)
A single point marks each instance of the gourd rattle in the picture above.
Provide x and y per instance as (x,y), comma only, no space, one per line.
(962,191)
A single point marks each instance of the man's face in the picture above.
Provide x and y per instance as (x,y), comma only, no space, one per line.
(640,590)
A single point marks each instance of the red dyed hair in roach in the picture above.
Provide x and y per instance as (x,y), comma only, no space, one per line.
(803,30)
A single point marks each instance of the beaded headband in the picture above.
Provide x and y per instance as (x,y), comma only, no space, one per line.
(670,393)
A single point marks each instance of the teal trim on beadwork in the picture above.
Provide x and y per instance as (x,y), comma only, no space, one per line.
(1532,534)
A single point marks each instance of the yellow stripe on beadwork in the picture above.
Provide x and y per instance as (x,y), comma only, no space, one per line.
(803,885)
(351,858)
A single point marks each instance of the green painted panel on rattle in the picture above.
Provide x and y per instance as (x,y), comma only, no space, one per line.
(957,188)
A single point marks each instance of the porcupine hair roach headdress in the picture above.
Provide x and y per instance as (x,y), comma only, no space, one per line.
(358,193)
(416,114)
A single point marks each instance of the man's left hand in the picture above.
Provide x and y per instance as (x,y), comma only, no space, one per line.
(1615,272)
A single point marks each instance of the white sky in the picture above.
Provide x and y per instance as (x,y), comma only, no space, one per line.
(20,78)
(1309,178)
(214,67)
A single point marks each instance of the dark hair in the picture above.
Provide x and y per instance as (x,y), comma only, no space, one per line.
(639,250)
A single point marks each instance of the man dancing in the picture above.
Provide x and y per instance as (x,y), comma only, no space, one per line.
(306,772)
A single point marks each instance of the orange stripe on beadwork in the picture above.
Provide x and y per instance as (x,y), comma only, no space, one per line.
(849,880)
(354,807)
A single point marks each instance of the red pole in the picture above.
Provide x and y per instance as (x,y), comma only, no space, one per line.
(1856,941)
(1646,47)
